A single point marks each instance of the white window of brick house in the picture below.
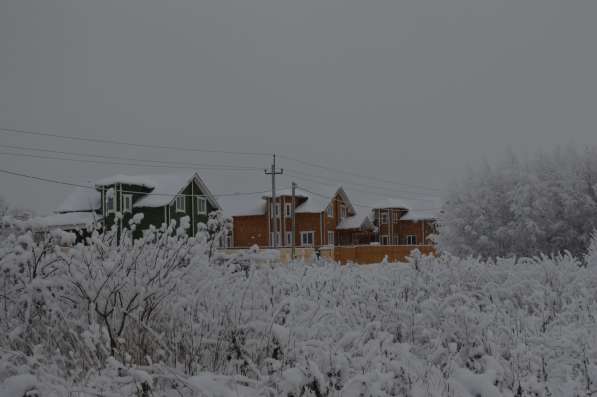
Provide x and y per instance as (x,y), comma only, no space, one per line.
(343,212)
(307,239)
(201,205)
(330,211)
(127,203)
(385,240)
(277,210)
(272,235)
(411,239)
(288,239)
(180,204)
(288,210)
(384,218)
(330,238)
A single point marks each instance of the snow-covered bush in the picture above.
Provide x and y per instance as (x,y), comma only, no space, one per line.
(524,208)
(157,317)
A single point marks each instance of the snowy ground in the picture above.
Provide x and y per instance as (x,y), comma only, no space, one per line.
(432,327)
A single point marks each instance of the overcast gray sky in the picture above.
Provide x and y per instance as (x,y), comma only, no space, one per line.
(411,91)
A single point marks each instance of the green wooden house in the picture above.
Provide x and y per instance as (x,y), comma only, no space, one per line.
(160,198)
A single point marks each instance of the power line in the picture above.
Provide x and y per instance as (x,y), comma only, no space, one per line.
(59,182)
(128,159)
(88,161)
(125,143)
(325,181)
(360,204)
(187,149)
(341,171)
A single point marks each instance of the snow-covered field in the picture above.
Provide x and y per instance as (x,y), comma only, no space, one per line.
(182,324)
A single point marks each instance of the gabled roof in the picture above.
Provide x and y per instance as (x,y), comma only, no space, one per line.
(425,208)
(81,199)
(243,205)
(315,203)
(361,220)
(163,188)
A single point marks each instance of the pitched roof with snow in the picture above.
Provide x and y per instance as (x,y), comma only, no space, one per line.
(360,220)
(81,199)
(65,220)
(242,205)
(425,208)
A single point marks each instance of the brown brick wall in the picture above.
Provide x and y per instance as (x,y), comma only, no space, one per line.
(250,230)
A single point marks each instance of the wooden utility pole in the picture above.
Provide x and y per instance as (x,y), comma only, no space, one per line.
(273,172)
(292,239)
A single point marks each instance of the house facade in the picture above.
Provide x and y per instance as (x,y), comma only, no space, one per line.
(160,198)
(320,221)
(117,199)
(400,222)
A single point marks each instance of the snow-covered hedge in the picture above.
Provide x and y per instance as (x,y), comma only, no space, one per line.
(164,317)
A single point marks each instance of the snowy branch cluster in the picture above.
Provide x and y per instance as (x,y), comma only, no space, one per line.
(524,207)
(165,316)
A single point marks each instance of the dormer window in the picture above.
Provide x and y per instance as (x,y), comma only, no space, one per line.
(330,211)
(201,205)
(180,204)
(343,212)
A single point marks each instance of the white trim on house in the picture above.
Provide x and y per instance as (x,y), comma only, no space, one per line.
(411,239)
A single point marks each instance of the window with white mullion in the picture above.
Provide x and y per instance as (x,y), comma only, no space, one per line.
(180,204)
(201,205)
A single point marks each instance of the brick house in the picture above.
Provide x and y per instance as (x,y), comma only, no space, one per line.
(320,221)
(405,222)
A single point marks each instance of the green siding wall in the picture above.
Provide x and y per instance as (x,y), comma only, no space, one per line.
(157,216)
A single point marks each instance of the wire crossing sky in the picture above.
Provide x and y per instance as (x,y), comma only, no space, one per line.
(407,93)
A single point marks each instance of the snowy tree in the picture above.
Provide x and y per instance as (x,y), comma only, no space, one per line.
(524,208)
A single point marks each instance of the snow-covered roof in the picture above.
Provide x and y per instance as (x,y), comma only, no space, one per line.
(163,188)
(313,203)
(425,208)
(65,220)
(242,205)
(360,220)
(135,180)
(81,199)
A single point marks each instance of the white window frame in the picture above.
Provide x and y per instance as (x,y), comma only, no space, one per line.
(411,239)
(201,202)
(307,244)
(385,218)
(288,210)
(177,201)
(113,198)
(271,236)
(330,211)
(127,208)
(330,238)
(276,211)
(288,238)
(343,212)
(384,239)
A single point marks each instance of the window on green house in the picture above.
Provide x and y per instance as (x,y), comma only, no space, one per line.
(202,205)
